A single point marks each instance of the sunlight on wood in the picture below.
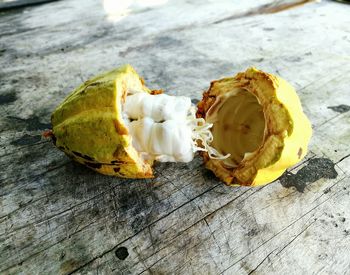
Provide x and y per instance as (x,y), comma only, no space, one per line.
(117,10)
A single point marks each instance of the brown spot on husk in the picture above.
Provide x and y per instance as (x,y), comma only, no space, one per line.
(156,92)
(48,134)
(300,152)
(93,165)
(121,129)
(82,156)
(118,162)
(142,81)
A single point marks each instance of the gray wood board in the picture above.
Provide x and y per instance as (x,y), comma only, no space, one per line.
(59,217)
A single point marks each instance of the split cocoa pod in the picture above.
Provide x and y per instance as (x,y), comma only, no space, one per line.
(248,128)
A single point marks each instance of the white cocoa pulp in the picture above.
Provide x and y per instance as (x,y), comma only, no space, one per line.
(158,107)
(165,127)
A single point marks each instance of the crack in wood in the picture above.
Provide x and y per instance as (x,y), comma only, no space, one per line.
(295,237)
(51,216)
(130,237)
(343,158)
(74,206)
(152,265)
(31,201)
(284,247)
(194,224)
(31,256)
(265,9)
(24,146)
(172,239)
(261,262)
(34,177)
(282,230)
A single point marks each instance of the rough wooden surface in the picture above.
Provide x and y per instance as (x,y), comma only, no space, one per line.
(57,217)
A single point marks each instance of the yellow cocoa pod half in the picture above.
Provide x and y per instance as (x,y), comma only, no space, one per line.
(258,119)
(88,125)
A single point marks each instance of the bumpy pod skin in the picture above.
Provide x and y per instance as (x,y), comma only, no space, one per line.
(89,128)
(287,129)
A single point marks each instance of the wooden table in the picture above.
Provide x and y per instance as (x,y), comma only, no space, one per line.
(57,217)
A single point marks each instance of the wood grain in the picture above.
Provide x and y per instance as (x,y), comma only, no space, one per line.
(57,217)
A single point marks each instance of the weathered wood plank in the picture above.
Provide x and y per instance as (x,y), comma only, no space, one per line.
(59,217)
